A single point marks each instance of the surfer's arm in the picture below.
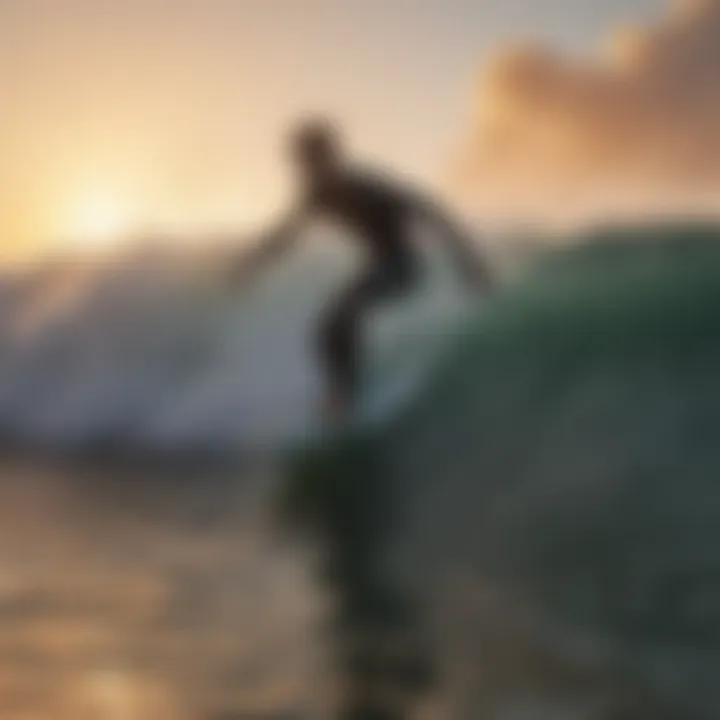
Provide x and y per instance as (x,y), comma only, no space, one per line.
(271,247)
(470,262)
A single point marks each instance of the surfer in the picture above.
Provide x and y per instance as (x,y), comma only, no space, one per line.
(378,213)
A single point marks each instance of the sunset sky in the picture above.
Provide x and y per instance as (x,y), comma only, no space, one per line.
(119,115)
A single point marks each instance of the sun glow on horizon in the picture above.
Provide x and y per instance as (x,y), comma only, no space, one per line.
(100,221)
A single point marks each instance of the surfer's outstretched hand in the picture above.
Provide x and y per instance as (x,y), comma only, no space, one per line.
(251,264)
(269,249)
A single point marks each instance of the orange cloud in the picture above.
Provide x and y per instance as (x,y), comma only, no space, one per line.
(637,125)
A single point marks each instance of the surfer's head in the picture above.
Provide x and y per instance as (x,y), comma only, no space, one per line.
(316,147)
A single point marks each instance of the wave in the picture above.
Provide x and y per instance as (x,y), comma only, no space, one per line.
(155,350)
(546,513)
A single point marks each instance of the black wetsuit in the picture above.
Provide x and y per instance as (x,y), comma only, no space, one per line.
(378,215)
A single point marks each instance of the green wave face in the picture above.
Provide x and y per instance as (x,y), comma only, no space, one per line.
(561,467)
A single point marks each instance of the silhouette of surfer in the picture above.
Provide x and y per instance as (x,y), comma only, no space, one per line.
(378,213)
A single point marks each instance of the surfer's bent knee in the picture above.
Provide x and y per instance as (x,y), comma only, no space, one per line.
(339,322)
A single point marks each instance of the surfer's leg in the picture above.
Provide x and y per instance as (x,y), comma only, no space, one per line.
(340,336)
(338,349)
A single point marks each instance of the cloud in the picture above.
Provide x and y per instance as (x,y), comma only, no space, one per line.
(637,124)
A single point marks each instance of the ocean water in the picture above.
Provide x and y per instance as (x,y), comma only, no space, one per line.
(543,520)
(157,350)
(158,591)
(534,536)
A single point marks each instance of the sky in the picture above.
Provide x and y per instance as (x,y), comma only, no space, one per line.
(629,132)
(120,115)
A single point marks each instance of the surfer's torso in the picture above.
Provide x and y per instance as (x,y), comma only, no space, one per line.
(374,210)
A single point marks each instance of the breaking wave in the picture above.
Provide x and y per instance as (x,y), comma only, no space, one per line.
(546,513)
(156,350)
